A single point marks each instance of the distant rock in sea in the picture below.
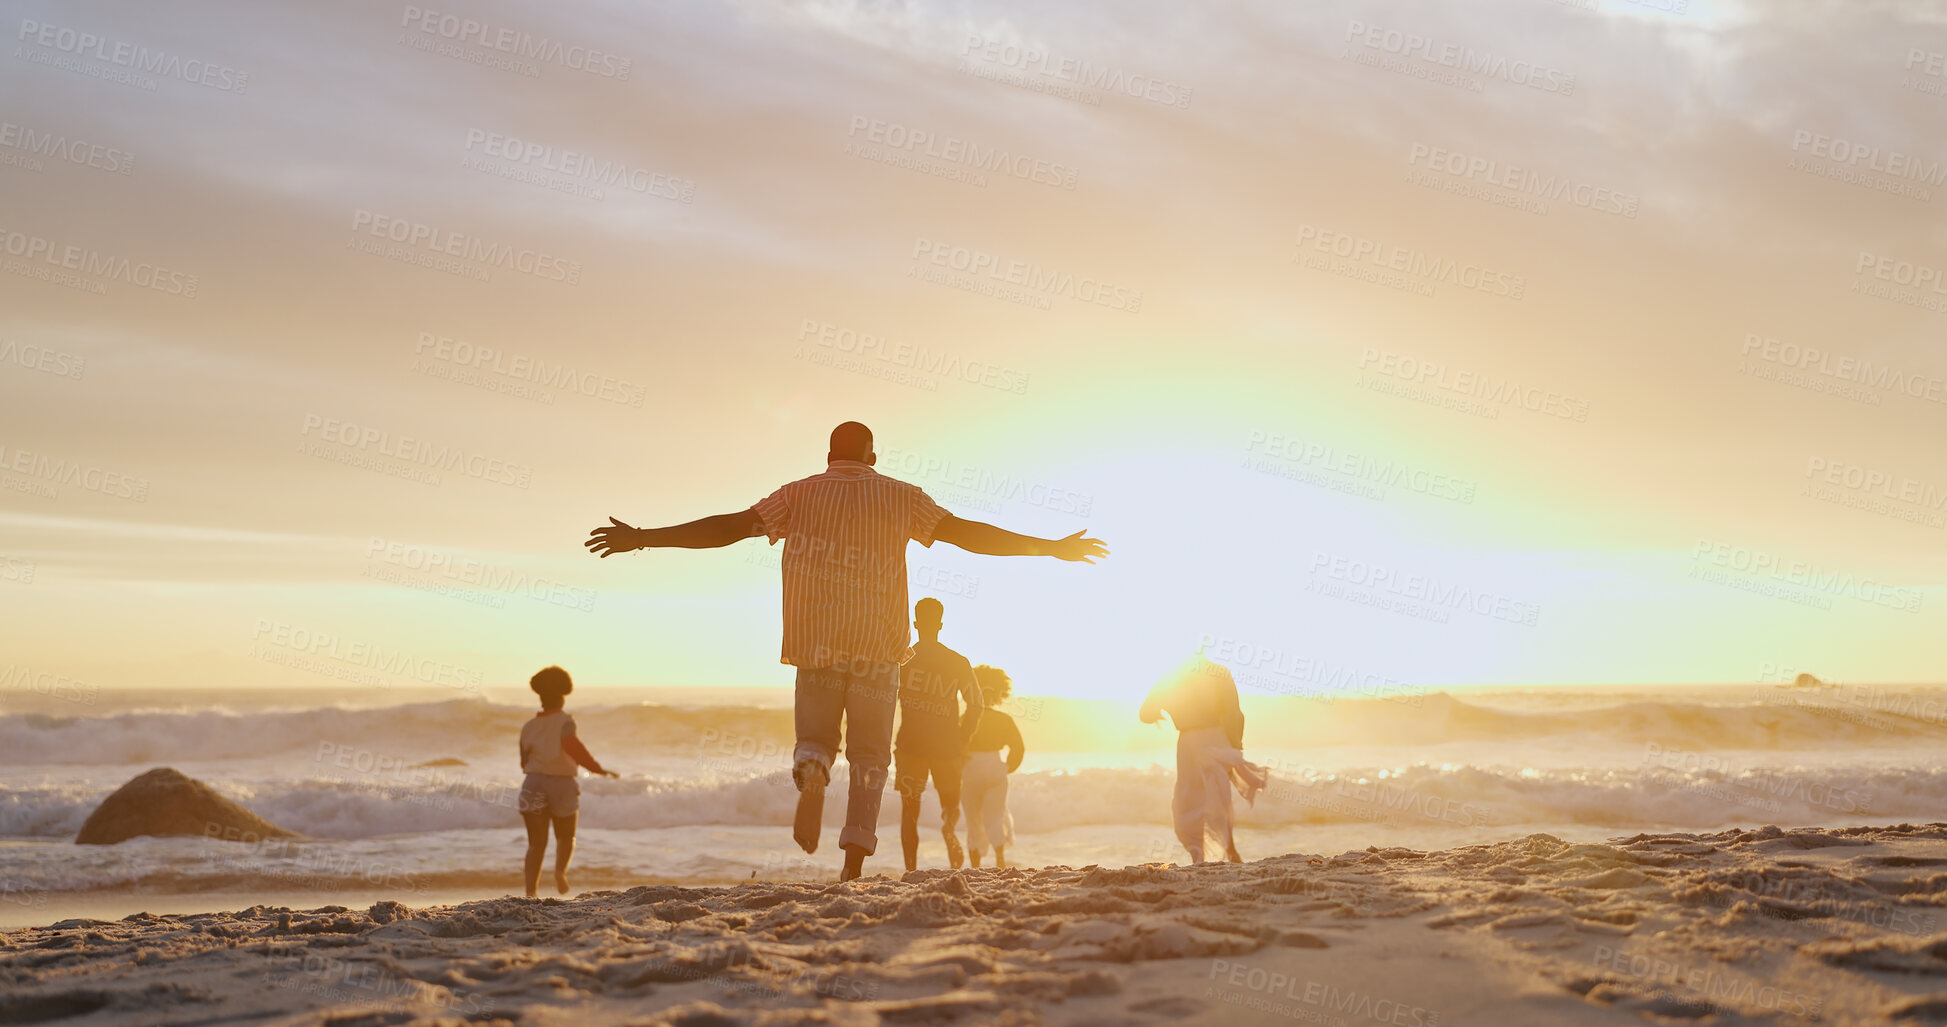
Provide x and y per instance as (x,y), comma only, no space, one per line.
(166,802)
(443,761)
(1807,681)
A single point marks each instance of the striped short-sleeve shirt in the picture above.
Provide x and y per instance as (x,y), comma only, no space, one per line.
(845,534)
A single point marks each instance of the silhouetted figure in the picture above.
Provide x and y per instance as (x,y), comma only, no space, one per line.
(983,788)
(933,731)
(1201,700)
(844,572)
(550,793)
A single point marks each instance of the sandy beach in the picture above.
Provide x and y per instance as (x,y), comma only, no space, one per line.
(1768,926)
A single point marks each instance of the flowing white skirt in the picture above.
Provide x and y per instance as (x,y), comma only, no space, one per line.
(983,799)
(1207,768)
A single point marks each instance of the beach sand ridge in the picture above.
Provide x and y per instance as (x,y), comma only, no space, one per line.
(1768,926)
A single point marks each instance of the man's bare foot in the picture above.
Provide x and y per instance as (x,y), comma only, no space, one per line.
(854,864)
(561,881)
(954,856)
(974,858)
(531,894)
(811,777)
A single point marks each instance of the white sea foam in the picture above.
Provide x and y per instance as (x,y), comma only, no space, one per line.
(428,788)
(1492,798)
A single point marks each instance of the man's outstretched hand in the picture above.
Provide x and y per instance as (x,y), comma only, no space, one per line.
(1076,547)
(988,540)
(702,533)
(614,537)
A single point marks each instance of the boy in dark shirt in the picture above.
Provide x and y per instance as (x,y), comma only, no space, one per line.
(933,731)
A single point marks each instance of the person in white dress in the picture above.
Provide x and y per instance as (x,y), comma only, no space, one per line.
(1200,698)
(983,784)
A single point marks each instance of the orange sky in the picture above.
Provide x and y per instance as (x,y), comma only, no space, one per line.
(1513,342)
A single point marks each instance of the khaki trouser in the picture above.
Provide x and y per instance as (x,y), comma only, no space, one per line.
(854,700)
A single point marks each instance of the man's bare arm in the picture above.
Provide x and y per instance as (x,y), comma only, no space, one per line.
(705,533)
(988,540)
(1152,708)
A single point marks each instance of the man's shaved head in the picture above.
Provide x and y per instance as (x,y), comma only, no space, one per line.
(852,441)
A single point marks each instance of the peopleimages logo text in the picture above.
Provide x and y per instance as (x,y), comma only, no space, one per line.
(1028,276)
(905,354)
(1525,181)
(983,482)
(526,45)
(56,146)
(1879,482)
(87,260)
(42,467)
(1408,260)
(42,359)
(409,450)
(1252,661)
(1034,61)
(521,368)
(1892,163)
(414,235)
(1460,58)
(954,150)
(1811,577)
(1360,466)
(1470,383)
(76,43)
(328,646)
(1856,370)
(1901,272)
(484,575)
(574,164)
(1425,588)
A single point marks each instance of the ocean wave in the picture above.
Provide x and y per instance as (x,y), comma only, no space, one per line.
(1826,717)
(1772,718)
(1672,788)
(403,734)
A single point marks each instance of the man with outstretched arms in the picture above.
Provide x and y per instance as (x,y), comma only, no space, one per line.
(844,568)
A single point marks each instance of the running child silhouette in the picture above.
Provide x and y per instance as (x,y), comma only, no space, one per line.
(550,793)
